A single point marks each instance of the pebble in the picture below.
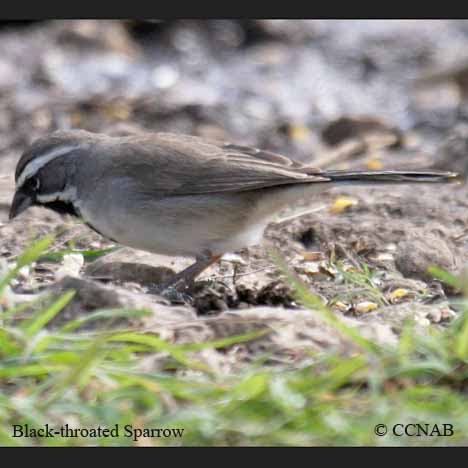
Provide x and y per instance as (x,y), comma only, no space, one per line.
(72,264)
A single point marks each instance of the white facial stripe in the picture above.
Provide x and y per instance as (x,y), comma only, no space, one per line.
(68,195)
(38,163)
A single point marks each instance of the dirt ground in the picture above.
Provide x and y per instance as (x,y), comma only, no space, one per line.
(356,94)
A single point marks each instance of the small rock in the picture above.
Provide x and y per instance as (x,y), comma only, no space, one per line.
(24,272)
(212,300)
(447,314)
(129,272)
(91,296)
(435,315)
(415,256)
(423,321)
(397,315)
(233,258)
(361,127)
(72,264)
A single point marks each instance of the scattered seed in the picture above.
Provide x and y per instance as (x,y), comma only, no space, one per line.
(341,204)
(374,163)
(342,306)
(364,307)
(384,257)
(298,132)
(397,295)
(312,256)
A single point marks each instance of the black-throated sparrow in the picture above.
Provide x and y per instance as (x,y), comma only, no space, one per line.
(174,194)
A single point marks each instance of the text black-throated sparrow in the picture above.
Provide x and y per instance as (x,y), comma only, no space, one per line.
(174,194)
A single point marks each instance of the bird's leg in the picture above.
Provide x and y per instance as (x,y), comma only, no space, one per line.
(186,277)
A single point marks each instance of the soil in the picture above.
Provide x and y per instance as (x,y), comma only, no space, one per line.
(341,94)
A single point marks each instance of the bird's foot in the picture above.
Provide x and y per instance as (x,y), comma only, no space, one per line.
(180,286)
(176,290)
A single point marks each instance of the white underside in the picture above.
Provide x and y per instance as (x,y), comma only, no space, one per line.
(189,226)
(187,239)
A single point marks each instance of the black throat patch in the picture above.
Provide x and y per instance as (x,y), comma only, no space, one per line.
(62,207)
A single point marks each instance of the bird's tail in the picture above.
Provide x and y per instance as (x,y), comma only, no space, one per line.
(391,177)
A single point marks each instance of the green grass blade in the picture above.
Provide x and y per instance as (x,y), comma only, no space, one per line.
(89,254)
(31,254)
(461,340)
(42,317)
(446,277)
(110,314)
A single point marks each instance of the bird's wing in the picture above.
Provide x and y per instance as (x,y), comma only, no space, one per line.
(191,165)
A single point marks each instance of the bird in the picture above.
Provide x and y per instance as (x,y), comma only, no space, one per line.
(176,194)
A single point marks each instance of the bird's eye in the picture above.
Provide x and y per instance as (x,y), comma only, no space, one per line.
(34,183)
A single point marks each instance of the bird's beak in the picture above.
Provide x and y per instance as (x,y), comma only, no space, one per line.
(21,202)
